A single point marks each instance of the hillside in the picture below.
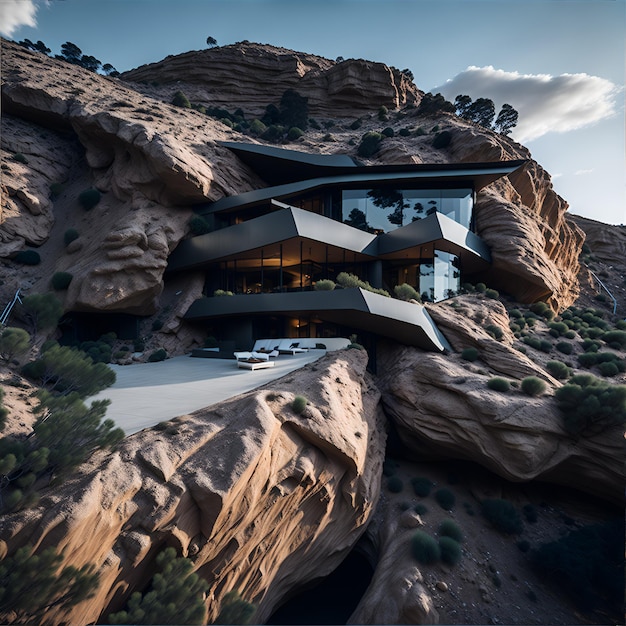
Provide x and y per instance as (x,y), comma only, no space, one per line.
(265,500)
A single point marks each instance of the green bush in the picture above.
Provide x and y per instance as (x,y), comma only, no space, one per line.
(404,132)
(558,369)
(388,132)
(424,548)
(588,403)
(495,331)
(499,384)
(198,225)
(442,139)
(89,198)
(382,113)
(542,309)
(481,287)
(257,127)
(14,342)
(356,124)
(502,515)
(422,486)
(181,100)
(235,610)
(20,158)
(564,347)
(533,386)
(42,310)
(294,133)
(158,355)
(370,142)
(61,280)
(220,293)
(27,257)
(420,509)
(469,354)
(609,369)
(445,499)
(616,337)
(325,285)
(450,550)
(395,484)
(70,235)
(492,293)
(299,404)
(406,292)
(449,528)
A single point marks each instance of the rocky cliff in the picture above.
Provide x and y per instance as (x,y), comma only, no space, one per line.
(152,161)
(260,498)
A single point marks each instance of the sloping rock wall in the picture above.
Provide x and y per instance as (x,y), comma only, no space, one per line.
(239,74)
(261,499)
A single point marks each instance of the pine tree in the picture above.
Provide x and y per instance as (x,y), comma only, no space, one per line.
(506,120)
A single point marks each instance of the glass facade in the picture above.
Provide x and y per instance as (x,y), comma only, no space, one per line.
(386,208)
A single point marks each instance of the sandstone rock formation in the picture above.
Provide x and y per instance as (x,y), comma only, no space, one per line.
(250,76)
(441,406)
(261,499)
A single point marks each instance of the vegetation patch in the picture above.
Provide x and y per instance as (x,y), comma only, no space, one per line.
(533,386)
(499,384)
(445,499)
(299,404)
(89,198)
(424,548)
(502,515)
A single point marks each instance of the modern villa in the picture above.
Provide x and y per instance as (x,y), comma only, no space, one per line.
(275,248)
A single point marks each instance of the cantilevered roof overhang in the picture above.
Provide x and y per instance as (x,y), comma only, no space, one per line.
(416,240)
(280,226)
(404,322)
(473,175)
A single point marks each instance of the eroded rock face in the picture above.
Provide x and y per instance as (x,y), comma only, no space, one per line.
(261,499)
(240,73)
(441,406)
(522,219)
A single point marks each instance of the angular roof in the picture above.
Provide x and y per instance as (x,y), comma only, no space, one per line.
(405,322)
(289,225)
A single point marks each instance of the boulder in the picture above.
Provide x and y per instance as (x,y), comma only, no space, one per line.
(261,499)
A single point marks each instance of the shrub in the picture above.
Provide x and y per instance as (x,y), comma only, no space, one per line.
(369,145)
(502,515)
(325,285)
(589,403)
(542,309)
(499,384)
(495,331)
(442,139)
(445,499)
(389,467)
(564,347)
(257,127)
(449,528)
(220,293)
(533,386)
(181,100)
(71,234)
(450,550)
(404,132)
(395,484)
(492,293)
(294,133)
(43,310)
(299,404)
(420,509)
(235,610)
(608,369)
(422,486)
(558,369)
(158,355)
(156,325)
(356,124)
(382,113)
(617,337)
(20,158)
(388,132)
(469,354)
(420,132)
(406,292)
(424,548)
(13,342)
(198,225)
(89,198)
(27,257)
(61,280)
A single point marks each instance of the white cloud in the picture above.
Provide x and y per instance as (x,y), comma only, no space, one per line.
(16,13)
(545,103)
(582,172)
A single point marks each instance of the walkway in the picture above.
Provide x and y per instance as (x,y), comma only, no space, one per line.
(148,393)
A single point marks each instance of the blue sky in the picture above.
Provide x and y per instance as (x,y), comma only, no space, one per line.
(560,63)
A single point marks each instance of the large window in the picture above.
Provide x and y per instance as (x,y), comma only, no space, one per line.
(385,208)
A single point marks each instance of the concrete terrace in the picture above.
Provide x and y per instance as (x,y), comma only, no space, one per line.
(145,394)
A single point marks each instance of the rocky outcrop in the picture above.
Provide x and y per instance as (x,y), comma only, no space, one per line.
(442,406)
(238,76)
(522,219)
(261,499)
